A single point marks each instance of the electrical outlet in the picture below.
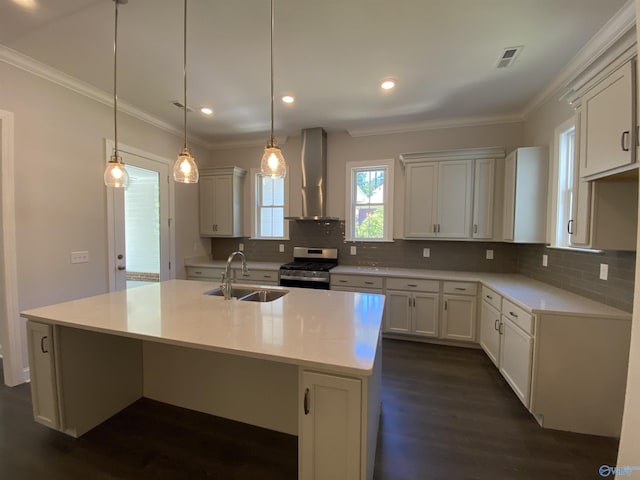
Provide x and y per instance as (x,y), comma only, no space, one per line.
(489,254)
(241,247)
(604,271)
(545,260)
(426,252)
(352,250)
(281,248)
(80,257)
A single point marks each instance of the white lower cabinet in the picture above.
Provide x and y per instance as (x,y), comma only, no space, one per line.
(516,355)
(44,392)
(459,311)
(415,313)
(490,329)
(330,427)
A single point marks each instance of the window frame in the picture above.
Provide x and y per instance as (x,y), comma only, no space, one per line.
(352,168)
(255,206)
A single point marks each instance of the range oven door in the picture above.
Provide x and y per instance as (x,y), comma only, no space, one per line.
(319,283)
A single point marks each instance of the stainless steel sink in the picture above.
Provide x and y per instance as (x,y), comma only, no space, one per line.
(250,294)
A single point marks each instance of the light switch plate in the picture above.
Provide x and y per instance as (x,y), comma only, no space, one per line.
(281,248)
(604,271)
(426,252)
(352,250)
(80,257)
(489,254)
(545,260)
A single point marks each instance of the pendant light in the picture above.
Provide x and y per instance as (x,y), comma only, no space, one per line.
(115,175)
(185,169)
(273,164)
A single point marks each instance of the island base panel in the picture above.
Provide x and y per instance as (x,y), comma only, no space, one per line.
(98,376)
(248,390)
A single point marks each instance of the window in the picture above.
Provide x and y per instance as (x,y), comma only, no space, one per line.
(270,207)
(370,208)
(564,197)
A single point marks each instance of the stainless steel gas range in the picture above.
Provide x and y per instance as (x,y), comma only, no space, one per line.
(310,268)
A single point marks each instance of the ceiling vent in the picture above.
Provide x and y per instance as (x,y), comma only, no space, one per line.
(180,105)
(508,56)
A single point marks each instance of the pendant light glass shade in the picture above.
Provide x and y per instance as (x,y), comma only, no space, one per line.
(115,173)
(273,163)
(185,169)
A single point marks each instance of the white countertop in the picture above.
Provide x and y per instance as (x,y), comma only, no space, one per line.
(530,294)
(323,329)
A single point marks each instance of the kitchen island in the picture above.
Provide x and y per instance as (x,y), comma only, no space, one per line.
(307,364)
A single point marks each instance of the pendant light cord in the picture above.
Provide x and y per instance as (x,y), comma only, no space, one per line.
(115,83)
(272,95)
(184,43)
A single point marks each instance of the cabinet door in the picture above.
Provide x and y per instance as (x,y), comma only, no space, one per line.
(206,188)
(223,205)
(490,332)
(425,314)
(398,314)
(483,181)
(509,196)
(454,199)
(459,317)
(516,351)
(330,427)
(421,196)
(44,393)
(607,129)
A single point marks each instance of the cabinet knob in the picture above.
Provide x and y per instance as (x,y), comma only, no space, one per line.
(306,401)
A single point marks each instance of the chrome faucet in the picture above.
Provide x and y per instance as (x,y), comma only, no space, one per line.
(226,276)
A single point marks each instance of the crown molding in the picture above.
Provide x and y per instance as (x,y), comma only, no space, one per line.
(53,75)
(435,125)
(612,40)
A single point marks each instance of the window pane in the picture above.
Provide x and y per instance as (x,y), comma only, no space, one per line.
(369,222)
(277,222)
(278,191)
(370,186)
(266,224)
(267,191)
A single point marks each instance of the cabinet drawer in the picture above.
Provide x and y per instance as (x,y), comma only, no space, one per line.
(411,284)
(460,288)
(518,316)
(356,281)
(492,298)
(258,276)
(206,273)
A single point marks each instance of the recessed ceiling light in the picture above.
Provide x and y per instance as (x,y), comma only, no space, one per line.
(288,99)
(206,110)
(388,84)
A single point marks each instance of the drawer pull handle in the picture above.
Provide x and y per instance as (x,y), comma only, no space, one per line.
(489,297)
(446,304)
(624,141)
(306,402)
(513,314)
(342,281)
(198,273)
(368,283)
(500,328)
(461,289)
(265,276)
(44,350)
(412,285)
(496,324)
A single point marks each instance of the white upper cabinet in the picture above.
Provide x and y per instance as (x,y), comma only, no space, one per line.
(525,195)
(608,133)
(449,194)
(221,202)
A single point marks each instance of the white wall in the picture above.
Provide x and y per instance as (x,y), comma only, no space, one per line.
(342,148)
(60,195)
(629,450)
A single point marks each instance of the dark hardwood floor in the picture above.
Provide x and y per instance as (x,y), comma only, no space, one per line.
(447,413)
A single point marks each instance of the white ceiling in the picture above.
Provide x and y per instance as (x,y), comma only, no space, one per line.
(330,54)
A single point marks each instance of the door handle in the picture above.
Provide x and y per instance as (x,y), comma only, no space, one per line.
(44,350)
(306,402)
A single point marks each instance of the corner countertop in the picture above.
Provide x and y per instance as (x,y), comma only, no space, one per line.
(531,295)
(330,330)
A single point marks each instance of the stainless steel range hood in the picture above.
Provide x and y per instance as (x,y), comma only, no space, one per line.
(314,174)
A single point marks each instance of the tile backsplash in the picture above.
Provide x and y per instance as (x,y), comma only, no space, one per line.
(577,272)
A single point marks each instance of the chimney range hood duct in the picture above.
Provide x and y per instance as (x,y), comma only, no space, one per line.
(314,174)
